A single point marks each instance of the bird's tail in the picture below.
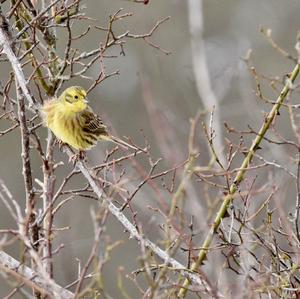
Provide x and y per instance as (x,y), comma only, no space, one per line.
(123,143)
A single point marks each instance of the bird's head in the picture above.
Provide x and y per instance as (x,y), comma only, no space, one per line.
(74,98)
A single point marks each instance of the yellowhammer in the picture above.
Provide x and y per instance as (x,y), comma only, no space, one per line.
(73,122)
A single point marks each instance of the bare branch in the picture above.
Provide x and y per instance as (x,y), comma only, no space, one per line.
(30,278)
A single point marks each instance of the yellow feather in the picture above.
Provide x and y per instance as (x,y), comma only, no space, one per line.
(73,122)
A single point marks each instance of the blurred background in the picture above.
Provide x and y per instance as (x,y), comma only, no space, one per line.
(155,91)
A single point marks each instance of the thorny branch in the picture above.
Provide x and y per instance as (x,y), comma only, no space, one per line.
(240,175)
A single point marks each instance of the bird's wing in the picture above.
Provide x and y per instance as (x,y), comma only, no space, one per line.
(93,124)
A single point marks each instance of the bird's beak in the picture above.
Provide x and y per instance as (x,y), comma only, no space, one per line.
(86,100)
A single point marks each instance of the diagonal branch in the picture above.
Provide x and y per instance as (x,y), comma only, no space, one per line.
(240,176)
(192,276)
(5,43)
(30,278)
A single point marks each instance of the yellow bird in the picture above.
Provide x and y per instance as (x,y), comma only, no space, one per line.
(73,122)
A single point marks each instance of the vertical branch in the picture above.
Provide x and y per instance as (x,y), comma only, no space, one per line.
(186,176)
(30,222)
(26,158)
(297,214)
(30,228)
(295,128)
(48,193)
(48,171)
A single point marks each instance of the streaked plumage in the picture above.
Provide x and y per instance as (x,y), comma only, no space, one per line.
(73,121)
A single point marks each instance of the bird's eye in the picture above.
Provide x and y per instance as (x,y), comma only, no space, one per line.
(76,97)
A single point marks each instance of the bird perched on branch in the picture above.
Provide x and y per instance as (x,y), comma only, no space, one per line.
(73,122)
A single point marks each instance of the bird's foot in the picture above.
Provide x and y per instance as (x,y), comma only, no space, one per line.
(74,158)
(80,156)
(59,143)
